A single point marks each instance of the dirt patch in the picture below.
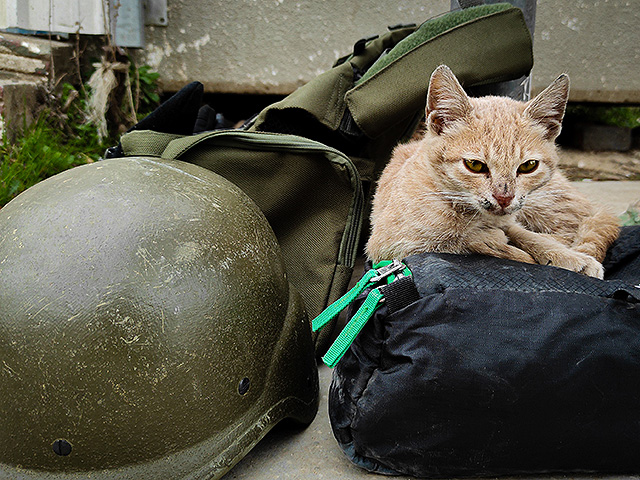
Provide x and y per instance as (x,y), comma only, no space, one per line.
(578,165)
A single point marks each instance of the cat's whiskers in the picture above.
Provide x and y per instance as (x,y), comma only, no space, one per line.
(545,193)
(473,217)
(544,199)
(460,199)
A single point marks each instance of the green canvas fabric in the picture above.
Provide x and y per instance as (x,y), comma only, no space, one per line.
(322,99)
(311,195)
(504,53)
(146,142)
(431,29)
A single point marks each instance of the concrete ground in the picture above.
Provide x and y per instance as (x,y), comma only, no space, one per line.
(313,453)
(617,196)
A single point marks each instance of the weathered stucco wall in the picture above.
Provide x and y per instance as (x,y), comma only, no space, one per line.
(267,46)
(597,42)
(274,46)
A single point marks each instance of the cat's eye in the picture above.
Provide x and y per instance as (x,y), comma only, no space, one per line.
(528,166)
(476,166)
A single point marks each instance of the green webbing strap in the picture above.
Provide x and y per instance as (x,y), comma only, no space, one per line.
(343,302)
(352,329)
(380,271)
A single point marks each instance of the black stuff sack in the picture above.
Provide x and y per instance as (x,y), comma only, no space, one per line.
(489,367)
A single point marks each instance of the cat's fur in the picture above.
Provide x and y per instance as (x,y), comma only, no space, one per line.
(428,200)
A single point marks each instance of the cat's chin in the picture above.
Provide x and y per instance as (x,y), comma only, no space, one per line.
(492,209)
(495,211)
(500,212)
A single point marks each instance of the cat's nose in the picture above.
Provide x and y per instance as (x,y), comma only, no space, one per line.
(503,200)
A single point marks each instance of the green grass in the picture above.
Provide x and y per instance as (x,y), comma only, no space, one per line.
(42,151)
(632,215)
(61,138)
(619,115)
(55,142)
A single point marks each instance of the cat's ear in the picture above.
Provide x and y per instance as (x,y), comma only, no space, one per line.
(548,107)
(447,101)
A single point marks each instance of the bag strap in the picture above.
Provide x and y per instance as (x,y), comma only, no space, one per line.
(146,143)
(172,119)
(400,294)
(389,271)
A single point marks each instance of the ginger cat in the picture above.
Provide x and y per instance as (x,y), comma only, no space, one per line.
(484,179)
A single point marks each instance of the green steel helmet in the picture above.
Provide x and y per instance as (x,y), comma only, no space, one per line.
(147,326)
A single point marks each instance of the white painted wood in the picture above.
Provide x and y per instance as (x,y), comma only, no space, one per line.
(57,16)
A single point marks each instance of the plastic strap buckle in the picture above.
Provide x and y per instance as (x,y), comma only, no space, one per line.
(353,328)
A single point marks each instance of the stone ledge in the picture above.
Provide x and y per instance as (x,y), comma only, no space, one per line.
(617,196)
(27,66)
(29,46)
(19,102)
(598,138)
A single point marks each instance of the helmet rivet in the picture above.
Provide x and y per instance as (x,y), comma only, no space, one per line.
(61,447)
(244,385)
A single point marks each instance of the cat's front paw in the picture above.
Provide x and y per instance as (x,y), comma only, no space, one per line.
(575,261)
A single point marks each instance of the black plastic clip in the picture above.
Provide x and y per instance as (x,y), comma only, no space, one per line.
(114,152)
(358,48)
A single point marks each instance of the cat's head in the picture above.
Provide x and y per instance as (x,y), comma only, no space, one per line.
(494,150)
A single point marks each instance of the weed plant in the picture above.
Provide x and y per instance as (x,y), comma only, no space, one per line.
(42,151)
(632,215)
(61,137)
(616,115)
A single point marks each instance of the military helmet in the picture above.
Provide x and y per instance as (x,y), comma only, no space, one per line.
(147,326)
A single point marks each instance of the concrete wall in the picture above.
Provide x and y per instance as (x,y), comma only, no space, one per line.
(274,46)
(267,46)
(597,42)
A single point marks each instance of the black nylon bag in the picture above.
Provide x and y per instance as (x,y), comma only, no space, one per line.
(498,368)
